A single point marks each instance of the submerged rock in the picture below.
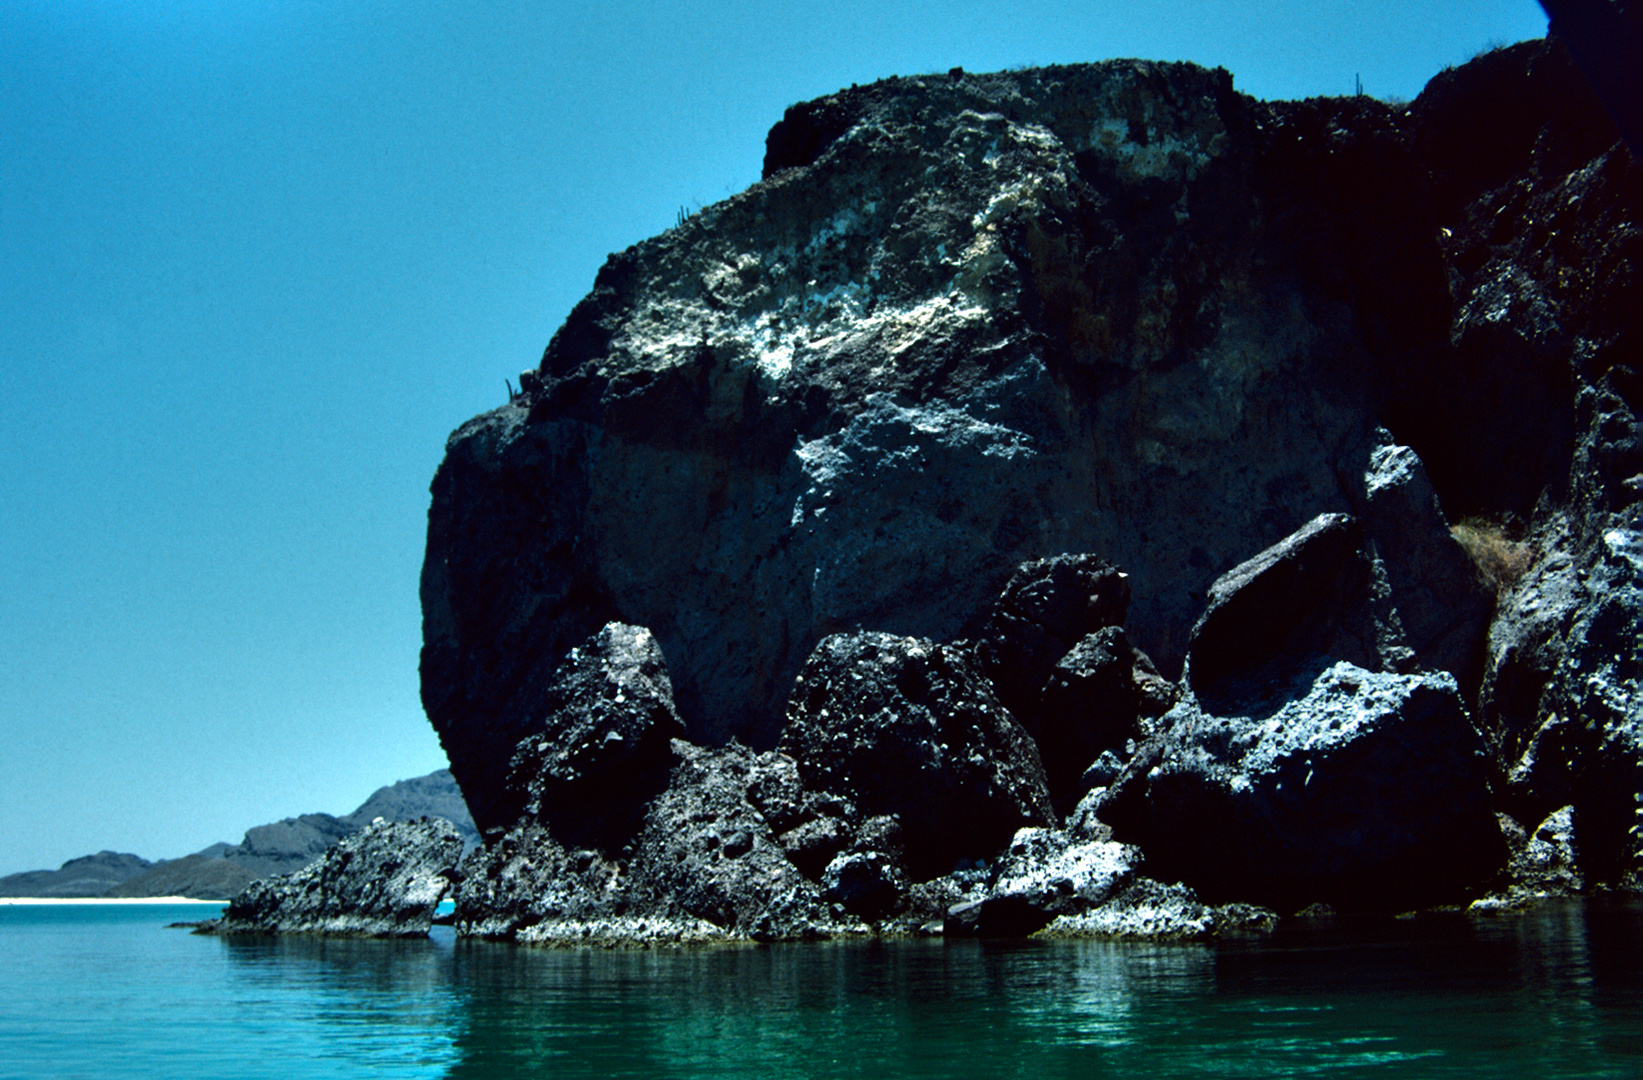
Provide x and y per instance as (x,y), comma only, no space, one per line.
(384,881)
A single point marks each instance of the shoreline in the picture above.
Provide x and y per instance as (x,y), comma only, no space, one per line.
(35,901)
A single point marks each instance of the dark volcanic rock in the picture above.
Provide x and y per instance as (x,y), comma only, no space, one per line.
(1102,696)
(968,322)
(526,886)
(707,852)
(602,749)
(384,881)
(1048,606)
(1359,790)
(1563,690)
(705,866)
(1043,874)
(998,318)
(1442,604)
(905,727)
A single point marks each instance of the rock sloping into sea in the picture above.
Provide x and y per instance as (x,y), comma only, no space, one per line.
(384,881)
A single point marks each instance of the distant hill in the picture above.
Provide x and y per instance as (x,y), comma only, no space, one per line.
(89,875)
(220,871)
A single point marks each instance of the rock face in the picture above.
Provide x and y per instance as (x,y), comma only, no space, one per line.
(1348,391)
(384,881)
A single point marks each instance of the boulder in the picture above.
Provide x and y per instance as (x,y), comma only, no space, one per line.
(907,728)
(1272,616)
(1101,697)
(1542,863)
(1047,607)
(708,852)
(603,747)
(384,881)
(526,886)
(1357,789)
(1441,602)
(867,884)
(704,866)
(1043,874)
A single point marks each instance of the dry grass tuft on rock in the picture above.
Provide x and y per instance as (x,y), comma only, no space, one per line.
(1500,560)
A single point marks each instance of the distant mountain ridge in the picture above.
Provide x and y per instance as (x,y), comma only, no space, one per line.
(223,870)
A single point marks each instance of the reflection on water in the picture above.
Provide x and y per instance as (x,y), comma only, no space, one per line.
(1556,992)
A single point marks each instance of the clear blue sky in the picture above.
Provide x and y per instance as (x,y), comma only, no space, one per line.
(258,259)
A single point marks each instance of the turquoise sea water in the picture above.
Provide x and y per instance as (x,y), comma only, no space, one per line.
(110,992)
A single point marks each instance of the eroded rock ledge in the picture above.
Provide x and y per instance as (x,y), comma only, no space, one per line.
(1066,499)
(384,881)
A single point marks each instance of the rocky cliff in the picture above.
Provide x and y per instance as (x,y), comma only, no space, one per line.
(843,473)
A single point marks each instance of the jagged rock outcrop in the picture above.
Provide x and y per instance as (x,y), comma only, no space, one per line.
(1440,602)
(602,749)
(1563,691)
(384,881)
(1046,608)
(1351,788)
(1056,652)
(910,729)
(1044,874)
(1542,863)
(1348,391)
(704,865)
(1103,697)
